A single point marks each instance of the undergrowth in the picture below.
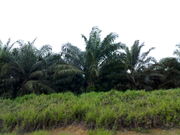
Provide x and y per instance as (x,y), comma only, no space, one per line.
(109,110)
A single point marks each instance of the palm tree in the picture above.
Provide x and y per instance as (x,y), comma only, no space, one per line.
(97,51)
(73,56)
(27,68)
(135,61)
(177,52)
(65,77)
(113,74)
(5,50)
(170,69)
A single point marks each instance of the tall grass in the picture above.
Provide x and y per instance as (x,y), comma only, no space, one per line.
(110,110)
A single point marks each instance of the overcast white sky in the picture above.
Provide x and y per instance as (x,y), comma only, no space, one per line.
(55,22)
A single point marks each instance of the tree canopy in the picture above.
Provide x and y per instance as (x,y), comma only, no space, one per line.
(104,64)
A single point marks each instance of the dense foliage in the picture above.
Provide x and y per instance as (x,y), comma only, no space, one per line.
(103,65)
(110,110)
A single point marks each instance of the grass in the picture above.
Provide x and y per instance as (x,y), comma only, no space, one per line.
(40,132)
(65,134)
(108,110)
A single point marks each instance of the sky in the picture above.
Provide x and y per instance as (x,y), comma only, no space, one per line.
(56,22)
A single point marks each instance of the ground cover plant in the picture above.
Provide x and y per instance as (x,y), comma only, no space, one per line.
(110,110)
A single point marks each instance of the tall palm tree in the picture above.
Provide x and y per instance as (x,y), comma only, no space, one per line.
(135,61)
(97,51)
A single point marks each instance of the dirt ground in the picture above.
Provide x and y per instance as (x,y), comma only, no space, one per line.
(80,130)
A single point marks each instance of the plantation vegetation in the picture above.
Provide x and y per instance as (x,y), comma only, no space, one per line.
(109,110)
(104,64)
(107,86)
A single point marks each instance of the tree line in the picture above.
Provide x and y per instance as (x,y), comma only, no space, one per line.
(105,64)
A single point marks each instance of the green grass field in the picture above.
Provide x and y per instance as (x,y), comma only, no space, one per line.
(111,110)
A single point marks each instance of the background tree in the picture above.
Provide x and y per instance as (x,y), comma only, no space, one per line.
(5,56)
(170,69)
(135,62)
(27,68)
(113,74)
(103,65)
(177,51)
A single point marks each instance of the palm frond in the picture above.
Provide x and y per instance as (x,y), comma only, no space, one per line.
(85,38)
(145,54)
(66,70)
(33,86)
(73,55)
(108,47)
(177,51)
(45,51)
(37,74)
